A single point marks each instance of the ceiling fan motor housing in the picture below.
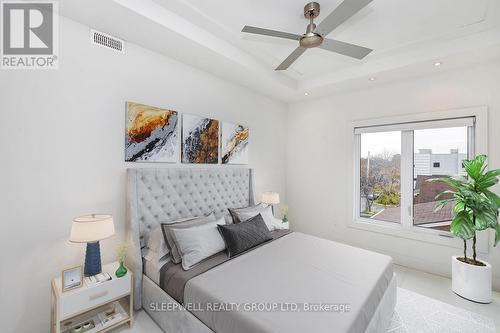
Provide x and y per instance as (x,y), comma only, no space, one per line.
(311,40)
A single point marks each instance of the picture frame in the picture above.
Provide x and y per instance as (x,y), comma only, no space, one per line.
(72,278)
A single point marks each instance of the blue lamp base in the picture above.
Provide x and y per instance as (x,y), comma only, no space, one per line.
(92,259)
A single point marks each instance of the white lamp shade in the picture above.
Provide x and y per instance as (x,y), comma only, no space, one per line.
(270,198)
(92,228)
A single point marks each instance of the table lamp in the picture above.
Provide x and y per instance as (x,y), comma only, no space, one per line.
(91,229)
(270,198)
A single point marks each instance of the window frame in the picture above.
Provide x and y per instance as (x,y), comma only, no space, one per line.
(478,144)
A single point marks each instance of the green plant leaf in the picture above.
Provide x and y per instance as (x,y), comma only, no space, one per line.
(486,181)
(454,183)
(444,193)
(494,173)
(462,226)
(494,199)
(497,234)
(481,222)
(485,219)
(459,206)
(474,167)
(440,205)
(472,199)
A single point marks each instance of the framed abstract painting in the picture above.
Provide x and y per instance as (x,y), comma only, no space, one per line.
(151,134)
(200,140)
(234,143)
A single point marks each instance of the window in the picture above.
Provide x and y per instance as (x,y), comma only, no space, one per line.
(380,176)
(450,146)
(394,163)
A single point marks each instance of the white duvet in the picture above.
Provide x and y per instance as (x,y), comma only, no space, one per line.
(298,283)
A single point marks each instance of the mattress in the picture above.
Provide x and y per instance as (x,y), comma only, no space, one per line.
(297,283)
(173,277)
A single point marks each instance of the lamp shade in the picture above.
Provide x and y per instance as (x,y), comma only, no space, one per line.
(92,228)
(270,198)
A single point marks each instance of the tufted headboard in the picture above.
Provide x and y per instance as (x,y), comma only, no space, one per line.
(169,194)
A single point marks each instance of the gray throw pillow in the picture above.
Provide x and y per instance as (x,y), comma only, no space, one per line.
(181,224)
(245,235)
(238,213)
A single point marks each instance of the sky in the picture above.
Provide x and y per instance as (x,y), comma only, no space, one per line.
(440,140)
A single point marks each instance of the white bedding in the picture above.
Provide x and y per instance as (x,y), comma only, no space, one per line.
(298,269)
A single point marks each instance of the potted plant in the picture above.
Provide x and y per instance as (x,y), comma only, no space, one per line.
(475,209)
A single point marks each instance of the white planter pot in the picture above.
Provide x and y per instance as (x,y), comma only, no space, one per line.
(470,281)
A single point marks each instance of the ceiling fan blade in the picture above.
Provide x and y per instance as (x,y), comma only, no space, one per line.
(291,58)
(350,50)
(340,14)
(268,32)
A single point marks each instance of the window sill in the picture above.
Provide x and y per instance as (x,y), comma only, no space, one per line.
(418,234)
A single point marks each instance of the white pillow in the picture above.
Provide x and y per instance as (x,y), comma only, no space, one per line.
(242,214)
(156,249)
(267,216)
(199,242)
(182,224)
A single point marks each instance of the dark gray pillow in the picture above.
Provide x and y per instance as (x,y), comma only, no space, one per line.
(245,235)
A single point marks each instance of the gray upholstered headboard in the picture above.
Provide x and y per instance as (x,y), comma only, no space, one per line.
(168,194)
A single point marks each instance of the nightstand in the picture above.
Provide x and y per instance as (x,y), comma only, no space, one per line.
(94,304)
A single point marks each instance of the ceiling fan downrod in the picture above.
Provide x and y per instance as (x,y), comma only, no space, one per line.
(311,39)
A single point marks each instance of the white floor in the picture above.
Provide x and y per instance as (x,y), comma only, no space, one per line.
(439,288)
(430,285)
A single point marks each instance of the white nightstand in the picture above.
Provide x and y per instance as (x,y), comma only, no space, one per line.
(88,303)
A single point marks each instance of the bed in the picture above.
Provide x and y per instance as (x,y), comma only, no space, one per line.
(293,283)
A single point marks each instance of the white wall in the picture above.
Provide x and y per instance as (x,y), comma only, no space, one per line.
(62,154)
(318,155)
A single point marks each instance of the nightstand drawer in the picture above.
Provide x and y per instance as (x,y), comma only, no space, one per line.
(79,300)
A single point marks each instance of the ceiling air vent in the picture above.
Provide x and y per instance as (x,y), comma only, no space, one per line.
(107,41)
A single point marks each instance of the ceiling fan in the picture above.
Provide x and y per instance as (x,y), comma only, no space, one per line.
(315,36)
